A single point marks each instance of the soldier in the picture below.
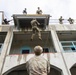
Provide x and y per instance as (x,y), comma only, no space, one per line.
(39,11)
(71,21)
(24,11)
(61,20)
(38,65)
(5,21)
(35,29)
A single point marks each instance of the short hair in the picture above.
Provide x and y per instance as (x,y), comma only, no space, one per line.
(38,7)
(25,8)
(38,50)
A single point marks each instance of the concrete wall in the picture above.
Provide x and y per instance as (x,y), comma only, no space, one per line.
(22,40)
(63,61)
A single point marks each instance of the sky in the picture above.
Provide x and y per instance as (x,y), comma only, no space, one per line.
(56,8)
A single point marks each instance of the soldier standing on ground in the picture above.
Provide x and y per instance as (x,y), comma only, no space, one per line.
(35,29)
(61,20)
(38,65)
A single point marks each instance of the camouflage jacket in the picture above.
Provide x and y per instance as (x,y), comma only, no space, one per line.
(37,65)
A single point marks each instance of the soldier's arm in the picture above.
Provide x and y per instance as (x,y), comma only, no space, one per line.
(31,23)
(73,20)
(37,22)
(41,11)
(37,12)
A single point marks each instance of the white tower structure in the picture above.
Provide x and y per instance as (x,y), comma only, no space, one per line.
(58,42)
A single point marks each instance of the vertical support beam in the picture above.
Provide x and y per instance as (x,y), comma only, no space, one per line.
(59,48)
(10,43)
(5,48)
(55,40)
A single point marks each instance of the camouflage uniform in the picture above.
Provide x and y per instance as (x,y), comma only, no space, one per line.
(61,20)
(71,21)
(37,65)
(35,28)
(39,11)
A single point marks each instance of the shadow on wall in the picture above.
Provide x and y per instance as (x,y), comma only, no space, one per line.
(21,70)
(55,70)
(73,69)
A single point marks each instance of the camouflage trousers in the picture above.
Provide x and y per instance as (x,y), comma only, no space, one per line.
(36,30)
